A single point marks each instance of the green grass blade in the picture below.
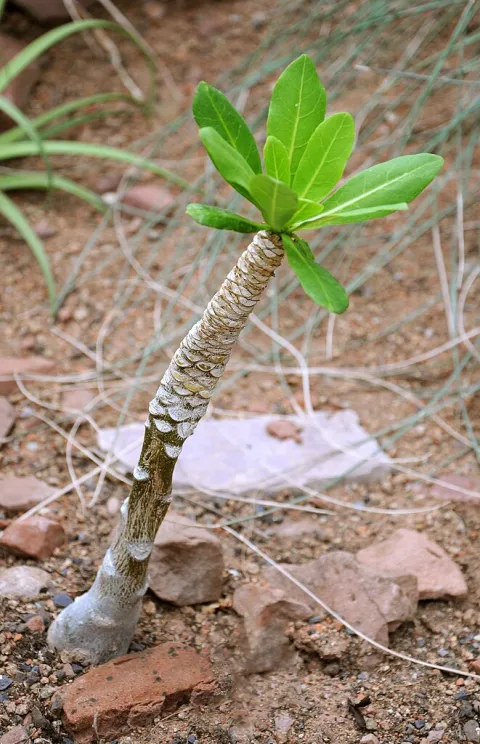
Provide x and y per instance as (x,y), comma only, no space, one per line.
(65,109)
(16,218)
(31,53)
(41,181)
(88,149)
(14,113)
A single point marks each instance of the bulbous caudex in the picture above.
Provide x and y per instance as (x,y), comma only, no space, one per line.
(100,624)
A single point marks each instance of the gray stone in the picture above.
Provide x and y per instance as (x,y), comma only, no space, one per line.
(24,582)
(186,566)
(239,456)
(434,736)
(471,730)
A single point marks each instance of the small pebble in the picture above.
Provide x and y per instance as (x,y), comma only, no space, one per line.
(5,682)
(62,600)
(442,652)
(35,624)
(419,724)
(315,619)
(363,676)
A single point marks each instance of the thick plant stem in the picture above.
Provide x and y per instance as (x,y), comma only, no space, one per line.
(100,624)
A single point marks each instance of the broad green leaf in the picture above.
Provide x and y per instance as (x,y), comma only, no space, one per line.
(307,209)
(275,200)
(296,109)
(87,149)
(276,160)
(228,161)
(353,215)
(325,157)
(16,133)
(27,180)
(316,281)
(222,219)
(14,215)
(396,181)
(211,108)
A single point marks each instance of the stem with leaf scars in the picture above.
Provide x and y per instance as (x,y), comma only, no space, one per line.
(100,624)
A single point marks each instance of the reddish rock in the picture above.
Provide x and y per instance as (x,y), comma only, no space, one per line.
(18,90)
(76,400)
(9,366)
(35,624)
(475,666)
(16,735)
(408,551)
(452,494)
(48,10)
(369,601)
(20,494)
(149,197)
(7,418)
(186,566)
(285,429)
(45,230)
(36,537)
(111,700)
(267,613)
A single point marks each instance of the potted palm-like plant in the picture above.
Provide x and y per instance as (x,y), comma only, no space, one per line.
(304,156)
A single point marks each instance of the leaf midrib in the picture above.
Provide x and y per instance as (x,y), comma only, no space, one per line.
(369,193)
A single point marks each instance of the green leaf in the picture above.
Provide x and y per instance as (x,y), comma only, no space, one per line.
(316,281)
(325,157)
(277,163)
(26,180)
(211,108)
(275,200)
(222,219)
(353,215)
(307,209)
(228,161)
(87,149)
(14,215)
(396,181)
(297,107)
